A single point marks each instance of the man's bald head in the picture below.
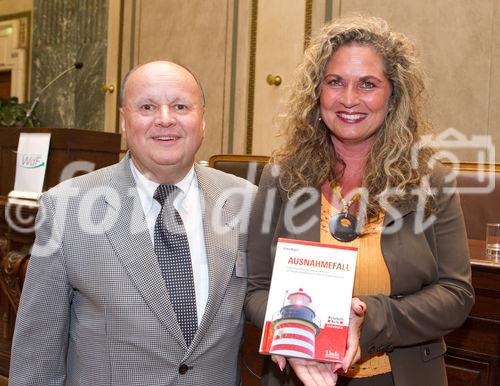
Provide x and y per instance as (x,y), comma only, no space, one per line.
(133,70)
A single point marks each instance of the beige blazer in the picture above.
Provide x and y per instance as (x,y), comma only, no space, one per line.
(431,290)
(95,309)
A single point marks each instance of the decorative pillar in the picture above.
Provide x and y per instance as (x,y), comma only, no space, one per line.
(65,32)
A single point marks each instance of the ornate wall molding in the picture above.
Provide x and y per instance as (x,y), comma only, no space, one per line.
(308,23)
(14,52)
(251,74)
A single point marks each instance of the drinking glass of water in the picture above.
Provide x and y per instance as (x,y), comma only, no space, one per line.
(493,241)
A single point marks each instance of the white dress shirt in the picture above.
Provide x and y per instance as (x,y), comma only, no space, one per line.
(188,204)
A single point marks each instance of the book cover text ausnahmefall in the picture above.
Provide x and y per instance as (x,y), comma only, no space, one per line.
(309,301)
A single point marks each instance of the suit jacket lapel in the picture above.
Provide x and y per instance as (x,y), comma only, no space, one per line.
(221,245)
(310,215)
(394,215)
(390,242)
(131,240)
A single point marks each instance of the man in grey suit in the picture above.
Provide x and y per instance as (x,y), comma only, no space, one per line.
(100,305)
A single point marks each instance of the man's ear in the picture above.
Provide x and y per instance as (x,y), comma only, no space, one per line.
(122,120)
(203,127)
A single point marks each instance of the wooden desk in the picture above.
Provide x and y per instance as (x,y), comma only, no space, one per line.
(473,356)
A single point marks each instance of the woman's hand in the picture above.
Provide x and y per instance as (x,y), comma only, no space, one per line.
(310,372)
(313,373)
(353,351)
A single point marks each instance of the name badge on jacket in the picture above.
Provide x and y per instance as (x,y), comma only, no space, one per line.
(241,265)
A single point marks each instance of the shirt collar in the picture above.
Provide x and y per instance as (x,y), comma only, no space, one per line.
(146,188)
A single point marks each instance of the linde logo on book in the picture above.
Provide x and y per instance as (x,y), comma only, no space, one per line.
(318,263)
(31,161)
(332,354)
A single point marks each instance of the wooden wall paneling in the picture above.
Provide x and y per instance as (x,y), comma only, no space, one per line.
(458,43)
(193,34)
(467,371)
(494,84)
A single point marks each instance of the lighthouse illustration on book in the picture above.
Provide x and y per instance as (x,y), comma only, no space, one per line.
(295,326)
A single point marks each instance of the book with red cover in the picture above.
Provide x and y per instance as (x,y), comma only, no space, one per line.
(307,313)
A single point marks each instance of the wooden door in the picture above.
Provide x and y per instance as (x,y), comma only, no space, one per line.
(279,29)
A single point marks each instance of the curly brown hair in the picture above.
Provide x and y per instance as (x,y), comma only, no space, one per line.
(308,158)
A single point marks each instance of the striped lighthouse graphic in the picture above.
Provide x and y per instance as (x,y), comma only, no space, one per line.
(295,326)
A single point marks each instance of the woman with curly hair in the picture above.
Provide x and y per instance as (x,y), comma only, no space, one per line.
(353,171)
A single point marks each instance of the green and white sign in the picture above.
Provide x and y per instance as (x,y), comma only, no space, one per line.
(32,155)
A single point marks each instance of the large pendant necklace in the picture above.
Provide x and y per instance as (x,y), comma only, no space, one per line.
(343,225)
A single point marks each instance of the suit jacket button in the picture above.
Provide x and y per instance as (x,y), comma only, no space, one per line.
(427,351)
(183,369)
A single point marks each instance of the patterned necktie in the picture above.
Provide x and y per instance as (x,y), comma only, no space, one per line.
(172,251)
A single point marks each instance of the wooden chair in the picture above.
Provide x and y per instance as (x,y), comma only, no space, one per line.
(245,166)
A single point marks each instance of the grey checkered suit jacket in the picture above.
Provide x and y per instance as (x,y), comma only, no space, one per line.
(94,308)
